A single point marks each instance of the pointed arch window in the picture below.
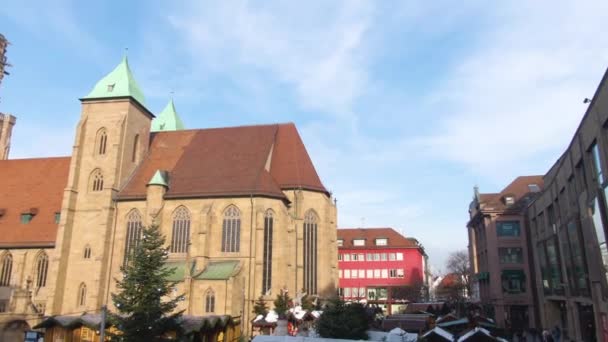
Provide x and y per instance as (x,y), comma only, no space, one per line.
(96,180)
(231,230)
(134,155)
(102,141)
(82,294)
(42,268)
(134,231)
(310,252)
(7,270)
(267,261)
(180,238)
(210,301)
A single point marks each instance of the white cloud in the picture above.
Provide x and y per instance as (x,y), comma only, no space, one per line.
(317,49)
(519,93)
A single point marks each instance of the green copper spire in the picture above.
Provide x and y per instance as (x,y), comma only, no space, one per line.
(119,82)
(160,178)
(167,120)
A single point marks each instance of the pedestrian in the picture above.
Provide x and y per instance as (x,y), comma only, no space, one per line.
(557,333)
(547,336)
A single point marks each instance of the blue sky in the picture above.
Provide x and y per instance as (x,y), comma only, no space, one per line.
(404,106)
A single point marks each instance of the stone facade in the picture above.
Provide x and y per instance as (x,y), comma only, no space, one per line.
(112,144)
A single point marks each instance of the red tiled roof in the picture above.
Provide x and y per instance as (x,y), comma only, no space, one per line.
(227,162)
(371,234)
(518,189)
(27,184)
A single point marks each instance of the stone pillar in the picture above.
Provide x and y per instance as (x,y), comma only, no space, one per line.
(7,122)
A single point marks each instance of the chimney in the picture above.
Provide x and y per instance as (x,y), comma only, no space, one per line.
(7,122)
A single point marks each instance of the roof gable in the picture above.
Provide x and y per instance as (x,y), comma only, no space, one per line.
(227,162)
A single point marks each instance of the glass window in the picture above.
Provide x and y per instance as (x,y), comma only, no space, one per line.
(399,256)
(555,274)
(57,218)
(392,256)
(361,273)
(370,257)
(544,268)
(376,273)
(358,242)
(370,274)
(392,273)
(231,230)
(507,228)
(599,232)
(340,242)
(577,257)
(376,256)
(347,274)
(347,292)
(354,274)
(340,292)
(362,292)
(513,281)
(354,257)
(339,273)
(347,257)
(381,242)
(383,257)
(384,274)
(512,255)
(339,256)
(597,163)
(400,273)
(361,257)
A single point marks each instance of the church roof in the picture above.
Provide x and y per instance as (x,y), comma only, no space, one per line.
(31,186)
(167,120)
(230,161)
(118,83)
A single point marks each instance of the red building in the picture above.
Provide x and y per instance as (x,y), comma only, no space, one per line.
(381,266)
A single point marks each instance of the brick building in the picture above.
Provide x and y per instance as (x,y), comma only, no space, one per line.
(498,251)
(378,264)
(242,208)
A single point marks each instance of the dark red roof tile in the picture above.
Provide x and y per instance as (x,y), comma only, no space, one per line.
(27,184)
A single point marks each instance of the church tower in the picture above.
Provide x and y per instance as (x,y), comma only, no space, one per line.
(6,128)
(111,138)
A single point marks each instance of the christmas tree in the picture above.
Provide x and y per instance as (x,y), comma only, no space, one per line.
(260,307)
(145,310)
(343,321)
(281,304)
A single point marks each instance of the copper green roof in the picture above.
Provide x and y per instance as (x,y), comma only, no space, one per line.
(179,272)
(119,82)
(218,270)
(160,178)
(167,120)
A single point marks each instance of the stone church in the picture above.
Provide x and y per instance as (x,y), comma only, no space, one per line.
(242,208)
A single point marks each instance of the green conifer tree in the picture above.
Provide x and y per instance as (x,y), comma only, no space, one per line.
(343,321)
(145,311)
(260,307)
(281,304)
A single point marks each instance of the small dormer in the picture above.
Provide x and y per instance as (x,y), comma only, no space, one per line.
(533,187)
(381,241)
(358,242)
(27,216)
(508,199)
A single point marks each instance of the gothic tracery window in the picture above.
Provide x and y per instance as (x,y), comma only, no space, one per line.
(210,301)
(96,180)
(42,268)
(267,261)
(231,230)
(180,239)
(310,252)
(102,141)
(7,269)
(134,231)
